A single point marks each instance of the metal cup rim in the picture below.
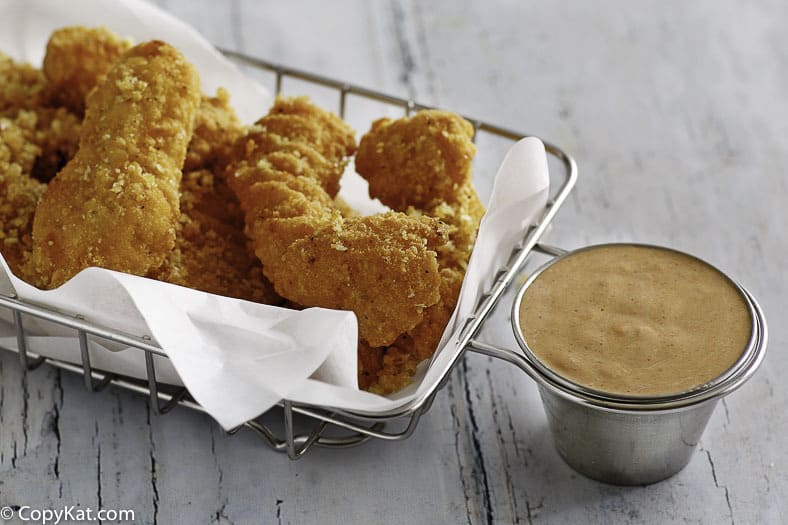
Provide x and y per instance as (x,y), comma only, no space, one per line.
(724,384)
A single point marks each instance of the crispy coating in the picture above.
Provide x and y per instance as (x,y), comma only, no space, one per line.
(385,370)
(17,139)
(52,136)
(58,137)
(21,85)
(321,137)
(34,144)
(422,165)
(419,161)
(115,205)
(383,267)
(19,195)
(463,218)
(77,59)
(334,139)
(211,251)
(276,152)
(390,368)
(19,192)
(423,340)
(216,128)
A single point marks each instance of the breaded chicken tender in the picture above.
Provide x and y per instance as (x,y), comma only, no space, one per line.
(116,204)
(77,59)
(419,161)
(384,267)
(211,252)
(422,165)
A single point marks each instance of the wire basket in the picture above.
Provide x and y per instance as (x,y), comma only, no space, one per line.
(322,426)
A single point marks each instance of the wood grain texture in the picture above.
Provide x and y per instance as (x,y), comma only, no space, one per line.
(677,115)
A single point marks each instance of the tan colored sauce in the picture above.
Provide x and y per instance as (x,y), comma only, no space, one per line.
(635,320)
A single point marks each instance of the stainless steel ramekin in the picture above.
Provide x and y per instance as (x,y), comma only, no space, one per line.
(631,440)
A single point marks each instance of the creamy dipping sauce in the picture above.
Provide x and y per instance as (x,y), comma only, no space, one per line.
(635,320)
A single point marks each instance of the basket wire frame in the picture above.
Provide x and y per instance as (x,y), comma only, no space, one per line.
(328,427)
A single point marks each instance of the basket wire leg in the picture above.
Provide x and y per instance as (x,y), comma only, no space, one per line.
(153,390)
(21,344)
(263,432)
(291,440)
(87,369)
(289,433)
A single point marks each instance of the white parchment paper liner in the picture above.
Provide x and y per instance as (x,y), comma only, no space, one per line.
(237,358)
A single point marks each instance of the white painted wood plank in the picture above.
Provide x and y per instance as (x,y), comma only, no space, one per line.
(677,115)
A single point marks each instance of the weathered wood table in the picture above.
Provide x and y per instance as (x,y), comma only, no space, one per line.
(676,113)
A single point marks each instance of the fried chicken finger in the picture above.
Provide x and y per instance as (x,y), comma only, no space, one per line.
(383,267)
(421,165)
(115,204)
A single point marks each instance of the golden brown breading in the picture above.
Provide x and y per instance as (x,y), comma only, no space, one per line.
(216,128)
(385,370)
(463,218)
(17,132)
(77,59)
(422,165)
(55,133)
(116,204)
(328,140)
(335,140)
(419,161)
(423,340)
(275,152)
(211,252)
(19,193)
(21,85)
(33,145)
(384,267)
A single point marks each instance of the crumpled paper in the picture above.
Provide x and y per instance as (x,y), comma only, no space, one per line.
(238,358)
